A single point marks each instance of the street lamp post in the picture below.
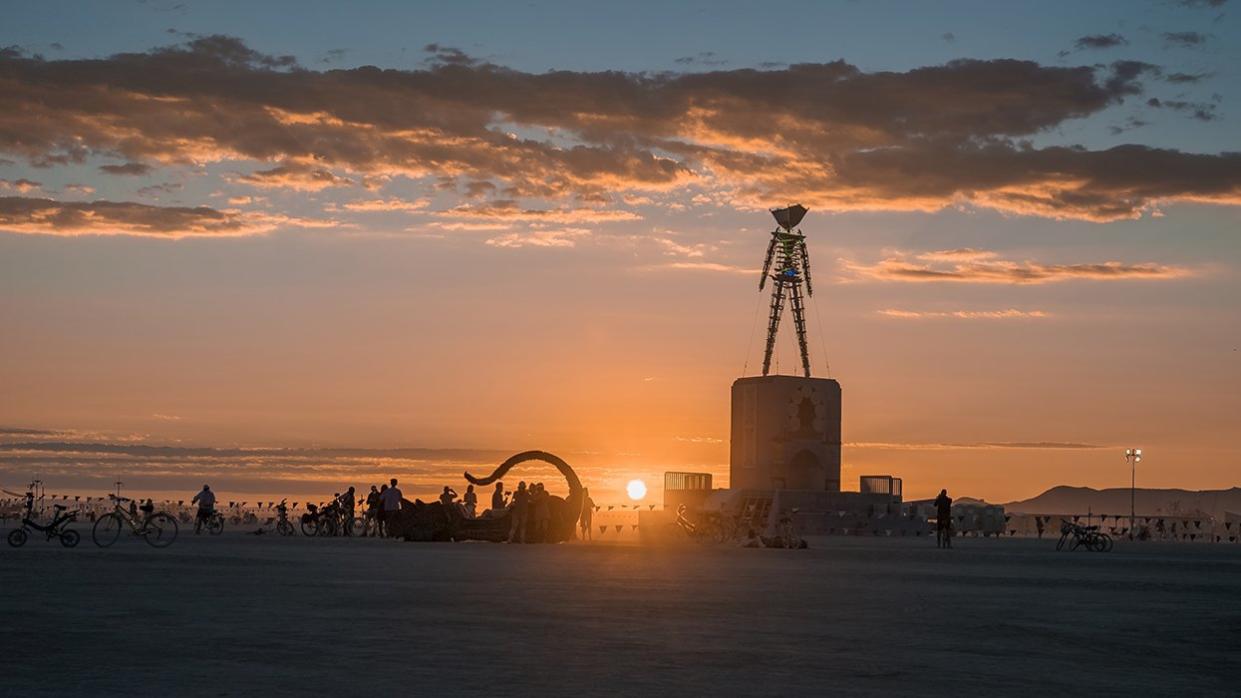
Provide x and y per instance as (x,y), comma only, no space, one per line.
(1134,456)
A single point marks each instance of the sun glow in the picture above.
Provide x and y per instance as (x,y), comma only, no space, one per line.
(636,490)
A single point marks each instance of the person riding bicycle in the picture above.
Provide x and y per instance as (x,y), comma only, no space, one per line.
(206,507)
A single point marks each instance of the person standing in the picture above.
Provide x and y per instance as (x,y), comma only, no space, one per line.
(470,500)
(521,502)
(588,515)
(498,500)
(391,500)
(372,512)
(206,507)
(943,520)
(542,504)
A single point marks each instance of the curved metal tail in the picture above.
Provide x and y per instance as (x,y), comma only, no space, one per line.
(575,485)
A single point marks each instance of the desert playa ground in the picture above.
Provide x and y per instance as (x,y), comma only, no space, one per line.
(242,615)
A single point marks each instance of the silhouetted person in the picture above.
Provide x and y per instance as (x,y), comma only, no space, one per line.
(147,508)
(521,505)
(498,500)
(391,504)
(1038,524)
(381,515)
(541,502)
(470,502)
(372,511)
(447,497)
(943,520)
(206,507)
(588,515)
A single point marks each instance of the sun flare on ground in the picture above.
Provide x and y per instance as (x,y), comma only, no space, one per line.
(636,490)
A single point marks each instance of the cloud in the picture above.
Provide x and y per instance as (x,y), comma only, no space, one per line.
(976,266)
(566,237)
(1187,78)
(294,176)
(1202,111)
(707,266)
(703,58)
(1186,38)
(511,212)
(1008,314)
(373,205)
(129,168)
(1195,4)
(22,185)
(981,445)
(45,216)
(949,37)
(932,137)
(1097,42)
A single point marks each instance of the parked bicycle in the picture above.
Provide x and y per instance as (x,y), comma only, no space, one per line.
(331,520)
(53,529)
(157,528)
(318,522)
(283,526)
(1088,537)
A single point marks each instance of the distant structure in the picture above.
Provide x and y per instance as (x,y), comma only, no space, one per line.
(786,264)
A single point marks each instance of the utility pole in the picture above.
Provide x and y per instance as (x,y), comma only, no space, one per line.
(1134,456)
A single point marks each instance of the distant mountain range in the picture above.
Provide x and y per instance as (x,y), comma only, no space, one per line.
(1115,500)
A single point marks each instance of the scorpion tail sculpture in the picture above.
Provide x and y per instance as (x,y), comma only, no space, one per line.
(575,485)
(427,522)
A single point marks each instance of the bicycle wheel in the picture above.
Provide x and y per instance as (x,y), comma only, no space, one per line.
(70,538)
(357,526)
(1060,544)
(310,527)
(327,527)
(1105,543)
(160,530)
(284,528)
(215,526)
(107,529)
(17,537)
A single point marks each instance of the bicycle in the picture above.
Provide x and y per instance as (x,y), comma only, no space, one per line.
(318,522)
(1078,536)
(158,529)
(54,529)
(213,522)
(283,526)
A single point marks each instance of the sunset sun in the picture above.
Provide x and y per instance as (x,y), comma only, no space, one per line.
(636,489)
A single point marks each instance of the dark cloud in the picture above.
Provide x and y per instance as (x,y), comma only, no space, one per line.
(1201,3)
(129,168)
(1186,38)
(1187,78)
(920,139)
(1202,111)
(156,190)
(447,55)
(704,58)
(1100,41)
(335,55)
(949,37)
(45,216)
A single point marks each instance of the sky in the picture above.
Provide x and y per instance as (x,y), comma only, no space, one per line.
(291,246)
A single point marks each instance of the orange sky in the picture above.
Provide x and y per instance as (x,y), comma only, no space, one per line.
(1023,264)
